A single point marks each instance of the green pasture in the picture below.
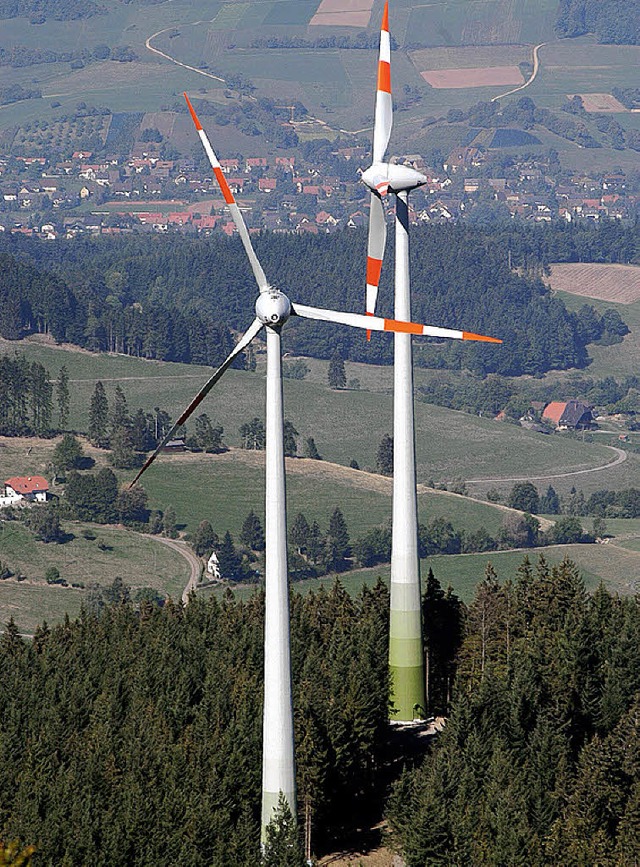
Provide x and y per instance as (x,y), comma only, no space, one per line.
(32,603)
(617,568)
(580,66)
(291,13)
(621,359)
(224,488)
(346,425)
(141,561)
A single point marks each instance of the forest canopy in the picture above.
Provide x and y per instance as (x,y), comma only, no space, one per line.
(178,299)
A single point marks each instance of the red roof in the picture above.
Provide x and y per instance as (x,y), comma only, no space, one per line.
(27,484)
(553,411)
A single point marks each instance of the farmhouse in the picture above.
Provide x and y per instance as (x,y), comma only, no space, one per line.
(568,415)
(31,488)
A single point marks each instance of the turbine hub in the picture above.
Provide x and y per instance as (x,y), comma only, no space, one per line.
(273,307)
(382,177)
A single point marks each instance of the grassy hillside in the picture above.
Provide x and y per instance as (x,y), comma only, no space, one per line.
(346,425)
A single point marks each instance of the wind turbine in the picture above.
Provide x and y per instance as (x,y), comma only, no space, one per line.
(406,655)
(272,309)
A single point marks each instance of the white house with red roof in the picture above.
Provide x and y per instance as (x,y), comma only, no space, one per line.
(31,488)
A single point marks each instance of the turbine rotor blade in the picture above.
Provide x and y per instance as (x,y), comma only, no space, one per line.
(256,267)
(375,253)
(384,105)
(244,341)
(377,323)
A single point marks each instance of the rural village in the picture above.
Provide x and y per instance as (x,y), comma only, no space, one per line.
(108,195)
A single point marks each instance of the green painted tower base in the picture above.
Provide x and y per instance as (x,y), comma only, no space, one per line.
(406,666)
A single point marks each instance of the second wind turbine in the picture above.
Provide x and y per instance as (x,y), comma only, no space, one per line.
(406,651)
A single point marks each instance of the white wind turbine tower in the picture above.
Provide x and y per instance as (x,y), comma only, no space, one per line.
(272,309)
(406,654)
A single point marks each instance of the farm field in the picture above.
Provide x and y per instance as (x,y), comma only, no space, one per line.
(602,282)
(621,359)
(215,40)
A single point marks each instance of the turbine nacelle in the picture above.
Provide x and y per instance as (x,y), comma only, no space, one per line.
(273,307)
(382,177)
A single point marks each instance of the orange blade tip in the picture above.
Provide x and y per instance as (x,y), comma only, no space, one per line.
(368,336)
(192,112)
(385,17)
(469,335)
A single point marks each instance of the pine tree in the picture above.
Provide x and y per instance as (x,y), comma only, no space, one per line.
(252,534)
(299,533)
(205,539)
(68,454)
(62,393)
(120,419)
(290,434)
(336,374)
(229,559)
(99,417)
(384,457)
(169,523)
(337,542)
(311,450)
(282,847)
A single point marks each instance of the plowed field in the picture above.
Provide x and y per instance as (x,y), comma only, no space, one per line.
(617,283)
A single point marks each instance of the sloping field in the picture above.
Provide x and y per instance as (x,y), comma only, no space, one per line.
(343,13)
(469,57)
(601,102)
(604,282)
(489,76)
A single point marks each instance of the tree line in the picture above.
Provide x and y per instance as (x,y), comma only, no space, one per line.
(153,297)
(538,762)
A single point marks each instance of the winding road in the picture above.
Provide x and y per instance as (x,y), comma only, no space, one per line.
(621,457)
(194,562)
(536,66)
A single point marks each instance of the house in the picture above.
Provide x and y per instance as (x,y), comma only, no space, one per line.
(31,488)
(568,415)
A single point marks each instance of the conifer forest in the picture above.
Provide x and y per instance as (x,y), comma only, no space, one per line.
(132,735)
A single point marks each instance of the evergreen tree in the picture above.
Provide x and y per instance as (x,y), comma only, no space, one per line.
(282,846)
(290,434)
(68,454)
(229,559)
(120,419)
(550,502)
(337,542)
(99,417)
(252,534)
(384,456)
(524,496)
(62,393)
(336,374)
(311,450)
(205,539)
(299,533)
(123,455)
(169,523)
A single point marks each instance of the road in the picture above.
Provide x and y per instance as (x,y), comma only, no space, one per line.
(194,562)
(536,66)
(621,457)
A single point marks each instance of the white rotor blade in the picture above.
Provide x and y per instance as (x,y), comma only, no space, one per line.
(375,252)
(377,323)
(256,267)
(244,341)
(384,104)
